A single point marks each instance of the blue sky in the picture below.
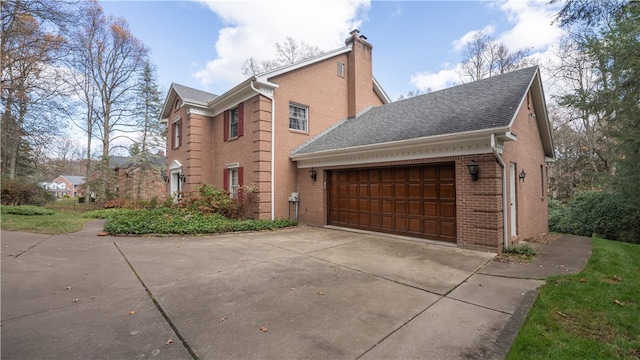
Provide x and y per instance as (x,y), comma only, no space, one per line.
(416,44)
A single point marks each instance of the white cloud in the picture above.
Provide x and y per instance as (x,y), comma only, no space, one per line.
(533,28)
(460,43)
(529,24)
(252,29)
(444,78)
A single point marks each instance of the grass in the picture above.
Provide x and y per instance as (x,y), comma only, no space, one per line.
(58,223)
(590,315)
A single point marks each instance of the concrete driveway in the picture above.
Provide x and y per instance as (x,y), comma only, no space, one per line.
(300,293)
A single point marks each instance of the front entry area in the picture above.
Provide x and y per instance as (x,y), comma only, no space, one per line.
(418,201)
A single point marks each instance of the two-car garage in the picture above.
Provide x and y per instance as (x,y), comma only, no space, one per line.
(418,201)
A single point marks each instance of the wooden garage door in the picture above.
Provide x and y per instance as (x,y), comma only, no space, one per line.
(416,201)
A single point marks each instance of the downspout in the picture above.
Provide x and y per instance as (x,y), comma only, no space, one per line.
(273,138)
(504,191)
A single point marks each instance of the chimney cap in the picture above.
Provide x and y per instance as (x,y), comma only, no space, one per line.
(354,32)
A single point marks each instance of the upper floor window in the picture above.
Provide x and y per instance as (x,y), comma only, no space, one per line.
(178,103)
(340,69)
(298,117)
(233,123)
(176,128)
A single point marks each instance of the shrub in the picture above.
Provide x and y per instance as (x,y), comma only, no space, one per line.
(17,192)
(609,215)
(209,200)
(179,221)
(521,249)
(28,210)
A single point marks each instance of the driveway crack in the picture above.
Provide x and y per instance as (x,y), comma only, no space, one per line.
(159,307)
(34,245)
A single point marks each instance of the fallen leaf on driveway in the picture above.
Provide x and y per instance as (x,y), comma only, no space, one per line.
(320,293)
(222,319)
(68,288)
(168,342)
(132,312)
(263,328)
(76,300)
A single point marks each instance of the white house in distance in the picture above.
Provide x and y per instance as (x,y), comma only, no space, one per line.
(65,185)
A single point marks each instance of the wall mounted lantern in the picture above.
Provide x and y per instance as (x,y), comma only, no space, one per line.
(181,177)
(474,168)
(164,176)
(522,175)
(313,174)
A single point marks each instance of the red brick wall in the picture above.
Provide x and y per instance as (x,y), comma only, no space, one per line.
(531,194)
(479,204)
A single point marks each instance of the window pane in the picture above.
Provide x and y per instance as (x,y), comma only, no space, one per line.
(297,118)
(233,123)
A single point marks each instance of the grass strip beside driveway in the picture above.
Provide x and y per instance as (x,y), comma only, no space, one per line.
(590,315)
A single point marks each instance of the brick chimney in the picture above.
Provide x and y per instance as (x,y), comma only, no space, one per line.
(359,73)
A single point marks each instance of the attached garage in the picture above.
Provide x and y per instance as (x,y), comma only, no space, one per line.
(417,201)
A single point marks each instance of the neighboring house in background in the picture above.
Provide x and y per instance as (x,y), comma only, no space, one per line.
(65,185)
(133,181)
(321,137)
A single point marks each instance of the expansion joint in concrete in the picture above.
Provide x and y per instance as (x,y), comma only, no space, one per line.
(158,306)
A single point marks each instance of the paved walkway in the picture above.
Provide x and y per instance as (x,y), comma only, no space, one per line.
(295,293)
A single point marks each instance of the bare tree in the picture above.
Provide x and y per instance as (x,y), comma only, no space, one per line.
(287,52)
(485,57)
(110,59)
(30,45)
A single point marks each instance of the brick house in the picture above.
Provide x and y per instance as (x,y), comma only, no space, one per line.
(132,180)
(65,185)
(320,141)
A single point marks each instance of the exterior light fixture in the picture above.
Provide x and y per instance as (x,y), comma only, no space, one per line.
(474,169)
(313,174)
(164,176)
(182,177)
(522,175)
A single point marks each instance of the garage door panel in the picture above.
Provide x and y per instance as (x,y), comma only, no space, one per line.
(430,209)
(447,191)
(430,191)
(415,207)
(414,190)
(448,210)
(400,190)
(400,223)
(387,222)
(412,200)
(387,206)
(415,225)
(375,205)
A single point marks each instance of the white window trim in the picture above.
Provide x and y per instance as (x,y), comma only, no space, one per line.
(176,134)
(306,120)
(340,68)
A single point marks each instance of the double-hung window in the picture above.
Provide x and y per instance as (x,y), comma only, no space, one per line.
(298,117)
(233,123)
(177,133)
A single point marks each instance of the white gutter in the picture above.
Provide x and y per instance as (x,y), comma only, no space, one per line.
(273,137)
(504,191)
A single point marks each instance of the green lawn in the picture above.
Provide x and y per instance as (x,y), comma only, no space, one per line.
(590,315)
(61,222)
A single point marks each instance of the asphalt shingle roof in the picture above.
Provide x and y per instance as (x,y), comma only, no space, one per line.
(73,179)
(480,105)
(192,95)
